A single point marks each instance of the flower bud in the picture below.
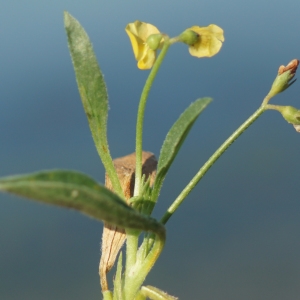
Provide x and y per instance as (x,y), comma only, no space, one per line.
(154,41)
(189,37)
(284,78)
(290,114)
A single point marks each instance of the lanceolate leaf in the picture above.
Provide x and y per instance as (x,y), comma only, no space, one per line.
(174,140)
(154,293)
(92,90)
(118,280)
(78,191)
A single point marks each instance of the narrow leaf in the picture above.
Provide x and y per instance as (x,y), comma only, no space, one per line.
(154,293)
(93,92)
(140,296)
(175,139)
(78,191)
(118,280)
(107,295)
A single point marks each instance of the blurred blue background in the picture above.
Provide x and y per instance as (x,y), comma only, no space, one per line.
(237,234)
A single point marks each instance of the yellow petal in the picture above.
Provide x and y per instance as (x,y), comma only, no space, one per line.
(207,47)
(136,43)
(145,30)
(210,41)
(217,31)
(147,61)
(138,33)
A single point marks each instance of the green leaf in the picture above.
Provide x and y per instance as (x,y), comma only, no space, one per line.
(93,92)
(107,295)
(174,140)
(78,191)
(118,280)
(154,293)
(140,296)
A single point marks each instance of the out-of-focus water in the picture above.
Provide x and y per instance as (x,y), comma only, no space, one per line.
(237,234)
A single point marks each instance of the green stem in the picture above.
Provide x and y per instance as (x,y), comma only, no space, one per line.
(132,237)
(274,107)
(266,100)
(141,113)
(210,162)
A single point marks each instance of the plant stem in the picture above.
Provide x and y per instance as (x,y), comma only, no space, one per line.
(140,116)
(274,107)
(210,162)
(132,237)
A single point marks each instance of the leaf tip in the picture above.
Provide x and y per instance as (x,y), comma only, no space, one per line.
(67,18)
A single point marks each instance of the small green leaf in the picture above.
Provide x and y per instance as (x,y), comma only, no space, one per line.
(154,293)
(93,92)
(118,280)
(78,191)
(107,295)
(175,139)
(140,296)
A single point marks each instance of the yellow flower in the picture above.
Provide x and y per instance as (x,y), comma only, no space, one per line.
(138,33)
(209,42)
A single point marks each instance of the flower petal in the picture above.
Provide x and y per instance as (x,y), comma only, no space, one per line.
(208,46)
(147,61)
(145,30)
(210,41)
(138,33)
(217,31)
(136,43)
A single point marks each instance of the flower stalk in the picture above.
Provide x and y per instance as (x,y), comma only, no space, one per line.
(209,163)
(141,114)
